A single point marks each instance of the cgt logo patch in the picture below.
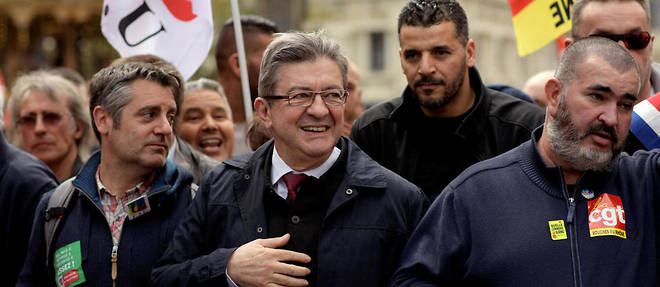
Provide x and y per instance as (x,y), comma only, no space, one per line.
(607,216)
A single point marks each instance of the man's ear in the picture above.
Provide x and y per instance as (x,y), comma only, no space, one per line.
(401,60)
(79,127)
(233,65)
(263,110)
(552,95)
(470,54)
(102,119)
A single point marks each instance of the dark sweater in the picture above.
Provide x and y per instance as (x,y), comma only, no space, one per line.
(304,217)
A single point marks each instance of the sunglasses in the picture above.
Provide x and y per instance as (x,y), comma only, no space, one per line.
(633,41)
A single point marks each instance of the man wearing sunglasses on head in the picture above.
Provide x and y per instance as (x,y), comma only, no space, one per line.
(627,22)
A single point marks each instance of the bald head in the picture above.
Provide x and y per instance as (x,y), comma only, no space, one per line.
(535,87)
(578,52)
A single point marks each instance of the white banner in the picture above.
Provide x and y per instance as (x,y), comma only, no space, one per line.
(179,31)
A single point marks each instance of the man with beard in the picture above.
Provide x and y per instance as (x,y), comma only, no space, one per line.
(446,119)
(627,21)
(563,209)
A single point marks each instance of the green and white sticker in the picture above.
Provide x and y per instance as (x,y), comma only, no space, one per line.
(68,265)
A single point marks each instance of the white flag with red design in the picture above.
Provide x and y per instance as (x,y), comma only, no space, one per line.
(179,31)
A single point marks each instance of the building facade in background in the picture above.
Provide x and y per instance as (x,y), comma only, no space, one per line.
(41,33)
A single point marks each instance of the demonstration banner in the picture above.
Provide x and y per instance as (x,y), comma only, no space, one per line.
(179,31)
(645,124)
(538,22)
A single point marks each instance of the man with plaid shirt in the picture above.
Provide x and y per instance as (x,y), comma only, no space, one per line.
(127,198)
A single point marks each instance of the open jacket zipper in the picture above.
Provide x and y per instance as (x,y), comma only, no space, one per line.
(115,248)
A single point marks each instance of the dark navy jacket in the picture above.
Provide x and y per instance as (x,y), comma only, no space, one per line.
(23,180)
(491,226)
(368,222)
(143,239)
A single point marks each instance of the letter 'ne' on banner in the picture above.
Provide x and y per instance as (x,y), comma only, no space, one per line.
(179,31)
(539,22)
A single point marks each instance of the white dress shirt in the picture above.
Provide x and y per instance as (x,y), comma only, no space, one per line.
(279,168)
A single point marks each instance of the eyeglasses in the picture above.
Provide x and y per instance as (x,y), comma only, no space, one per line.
(331,97)
(633,41)
(48,119)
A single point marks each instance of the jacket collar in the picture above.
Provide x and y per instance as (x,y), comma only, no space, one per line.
(550,178)
(410,113)
(360,169)
(359,172)
(4,150)
(253,178)
(168,178)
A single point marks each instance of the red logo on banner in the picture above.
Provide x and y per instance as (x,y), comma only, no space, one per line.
(180,9)
(606,216)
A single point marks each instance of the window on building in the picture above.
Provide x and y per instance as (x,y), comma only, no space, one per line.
(377,51)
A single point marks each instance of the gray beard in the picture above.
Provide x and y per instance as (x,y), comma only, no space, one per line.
(565,140)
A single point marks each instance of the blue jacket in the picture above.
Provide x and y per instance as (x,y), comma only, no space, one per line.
(367,223)
(491,226)
(23,180)
(143,239)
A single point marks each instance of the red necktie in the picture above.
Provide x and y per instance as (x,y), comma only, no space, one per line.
(292,181)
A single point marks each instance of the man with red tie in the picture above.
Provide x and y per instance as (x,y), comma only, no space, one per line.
(306,208)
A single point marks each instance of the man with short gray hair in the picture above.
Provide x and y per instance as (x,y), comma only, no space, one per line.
(306,208)
(127,199)
(566,208)
(627,21)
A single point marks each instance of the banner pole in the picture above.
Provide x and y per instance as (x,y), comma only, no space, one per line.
(240,49)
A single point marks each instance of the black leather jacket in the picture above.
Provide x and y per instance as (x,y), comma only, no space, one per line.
(400,137)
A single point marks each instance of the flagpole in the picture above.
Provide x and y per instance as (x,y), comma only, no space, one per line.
(240,49)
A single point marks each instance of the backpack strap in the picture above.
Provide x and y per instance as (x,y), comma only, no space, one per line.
(55,211)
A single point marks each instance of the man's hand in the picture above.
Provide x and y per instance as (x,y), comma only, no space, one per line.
(260,263)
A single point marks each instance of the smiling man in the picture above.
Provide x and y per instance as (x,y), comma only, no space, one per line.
(306,208)
(446,119)
(205,119)
(128,198)
(566,208)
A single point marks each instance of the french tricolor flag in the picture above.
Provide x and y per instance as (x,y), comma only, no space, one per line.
(645,123)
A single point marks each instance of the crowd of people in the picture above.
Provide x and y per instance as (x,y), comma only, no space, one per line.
(138,178)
